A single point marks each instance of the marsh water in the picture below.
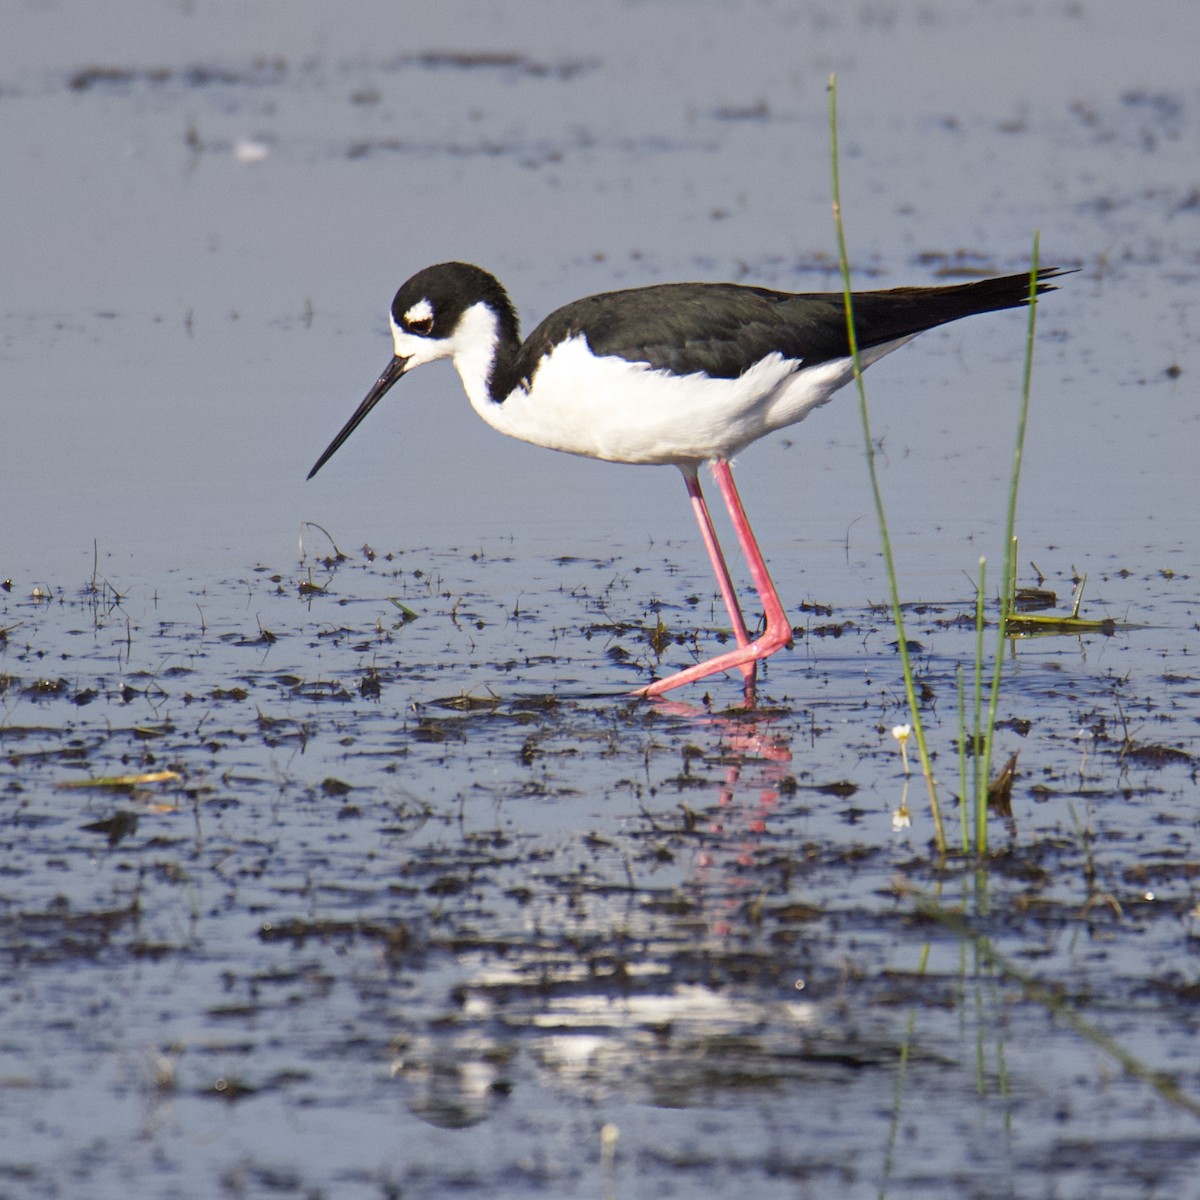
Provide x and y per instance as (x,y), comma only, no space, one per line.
(410,898)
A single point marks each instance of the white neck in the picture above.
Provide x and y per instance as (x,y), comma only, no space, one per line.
(473,350)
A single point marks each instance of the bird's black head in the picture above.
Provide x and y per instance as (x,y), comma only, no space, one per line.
(436,314)
(431,303)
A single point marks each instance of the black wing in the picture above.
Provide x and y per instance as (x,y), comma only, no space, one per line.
(722,328)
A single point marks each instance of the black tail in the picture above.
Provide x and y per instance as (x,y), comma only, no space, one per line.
(903,312)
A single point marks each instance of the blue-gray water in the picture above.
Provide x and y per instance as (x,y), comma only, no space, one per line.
(527,922)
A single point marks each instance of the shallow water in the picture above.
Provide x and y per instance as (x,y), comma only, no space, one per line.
(430,905)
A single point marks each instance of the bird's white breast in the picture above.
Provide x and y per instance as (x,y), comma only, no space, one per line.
(623,411)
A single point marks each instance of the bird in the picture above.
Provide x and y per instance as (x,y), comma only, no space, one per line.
(678,374)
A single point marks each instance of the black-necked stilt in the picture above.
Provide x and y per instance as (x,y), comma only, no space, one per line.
(679,373)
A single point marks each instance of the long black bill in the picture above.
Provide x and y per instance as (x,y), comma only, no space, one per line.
(395,369)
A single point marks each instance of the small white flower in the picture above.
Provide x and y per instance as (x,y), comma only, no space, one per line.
(902,733)
(247,151)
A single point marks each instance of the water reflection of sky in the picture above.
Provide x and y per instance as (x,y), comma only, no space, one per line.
(184,329)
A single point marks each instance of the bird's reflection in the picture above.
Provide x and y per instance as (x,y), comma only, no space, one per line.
(756,754)
(663,990)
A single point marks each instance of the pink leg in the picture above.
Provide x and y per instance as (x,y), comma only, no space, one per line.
(717,558)
(779,630)
(777,633)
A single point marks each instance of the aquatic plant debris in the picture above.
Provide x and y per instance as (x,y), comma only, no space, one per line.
(122,781)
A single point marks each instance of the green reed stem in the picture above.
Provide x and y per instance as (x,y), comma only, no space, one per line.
(1010,546)
(897,615)
(962,755)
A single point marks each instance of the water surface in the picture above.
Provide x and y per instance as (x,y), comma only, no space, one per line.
(430,905)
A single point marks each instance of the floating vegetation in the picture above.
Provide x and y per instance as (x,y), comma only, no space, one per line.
(123,782)
(1030,624)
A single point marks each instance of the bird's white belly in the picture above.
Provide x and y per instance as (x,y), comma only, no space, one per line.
(613,409)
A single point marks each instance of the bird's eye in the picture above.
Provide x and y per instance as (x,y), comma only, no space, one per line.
(421,325)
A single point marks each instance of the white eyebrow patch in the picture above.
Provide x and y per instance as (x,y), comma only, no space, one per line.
(421,311)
